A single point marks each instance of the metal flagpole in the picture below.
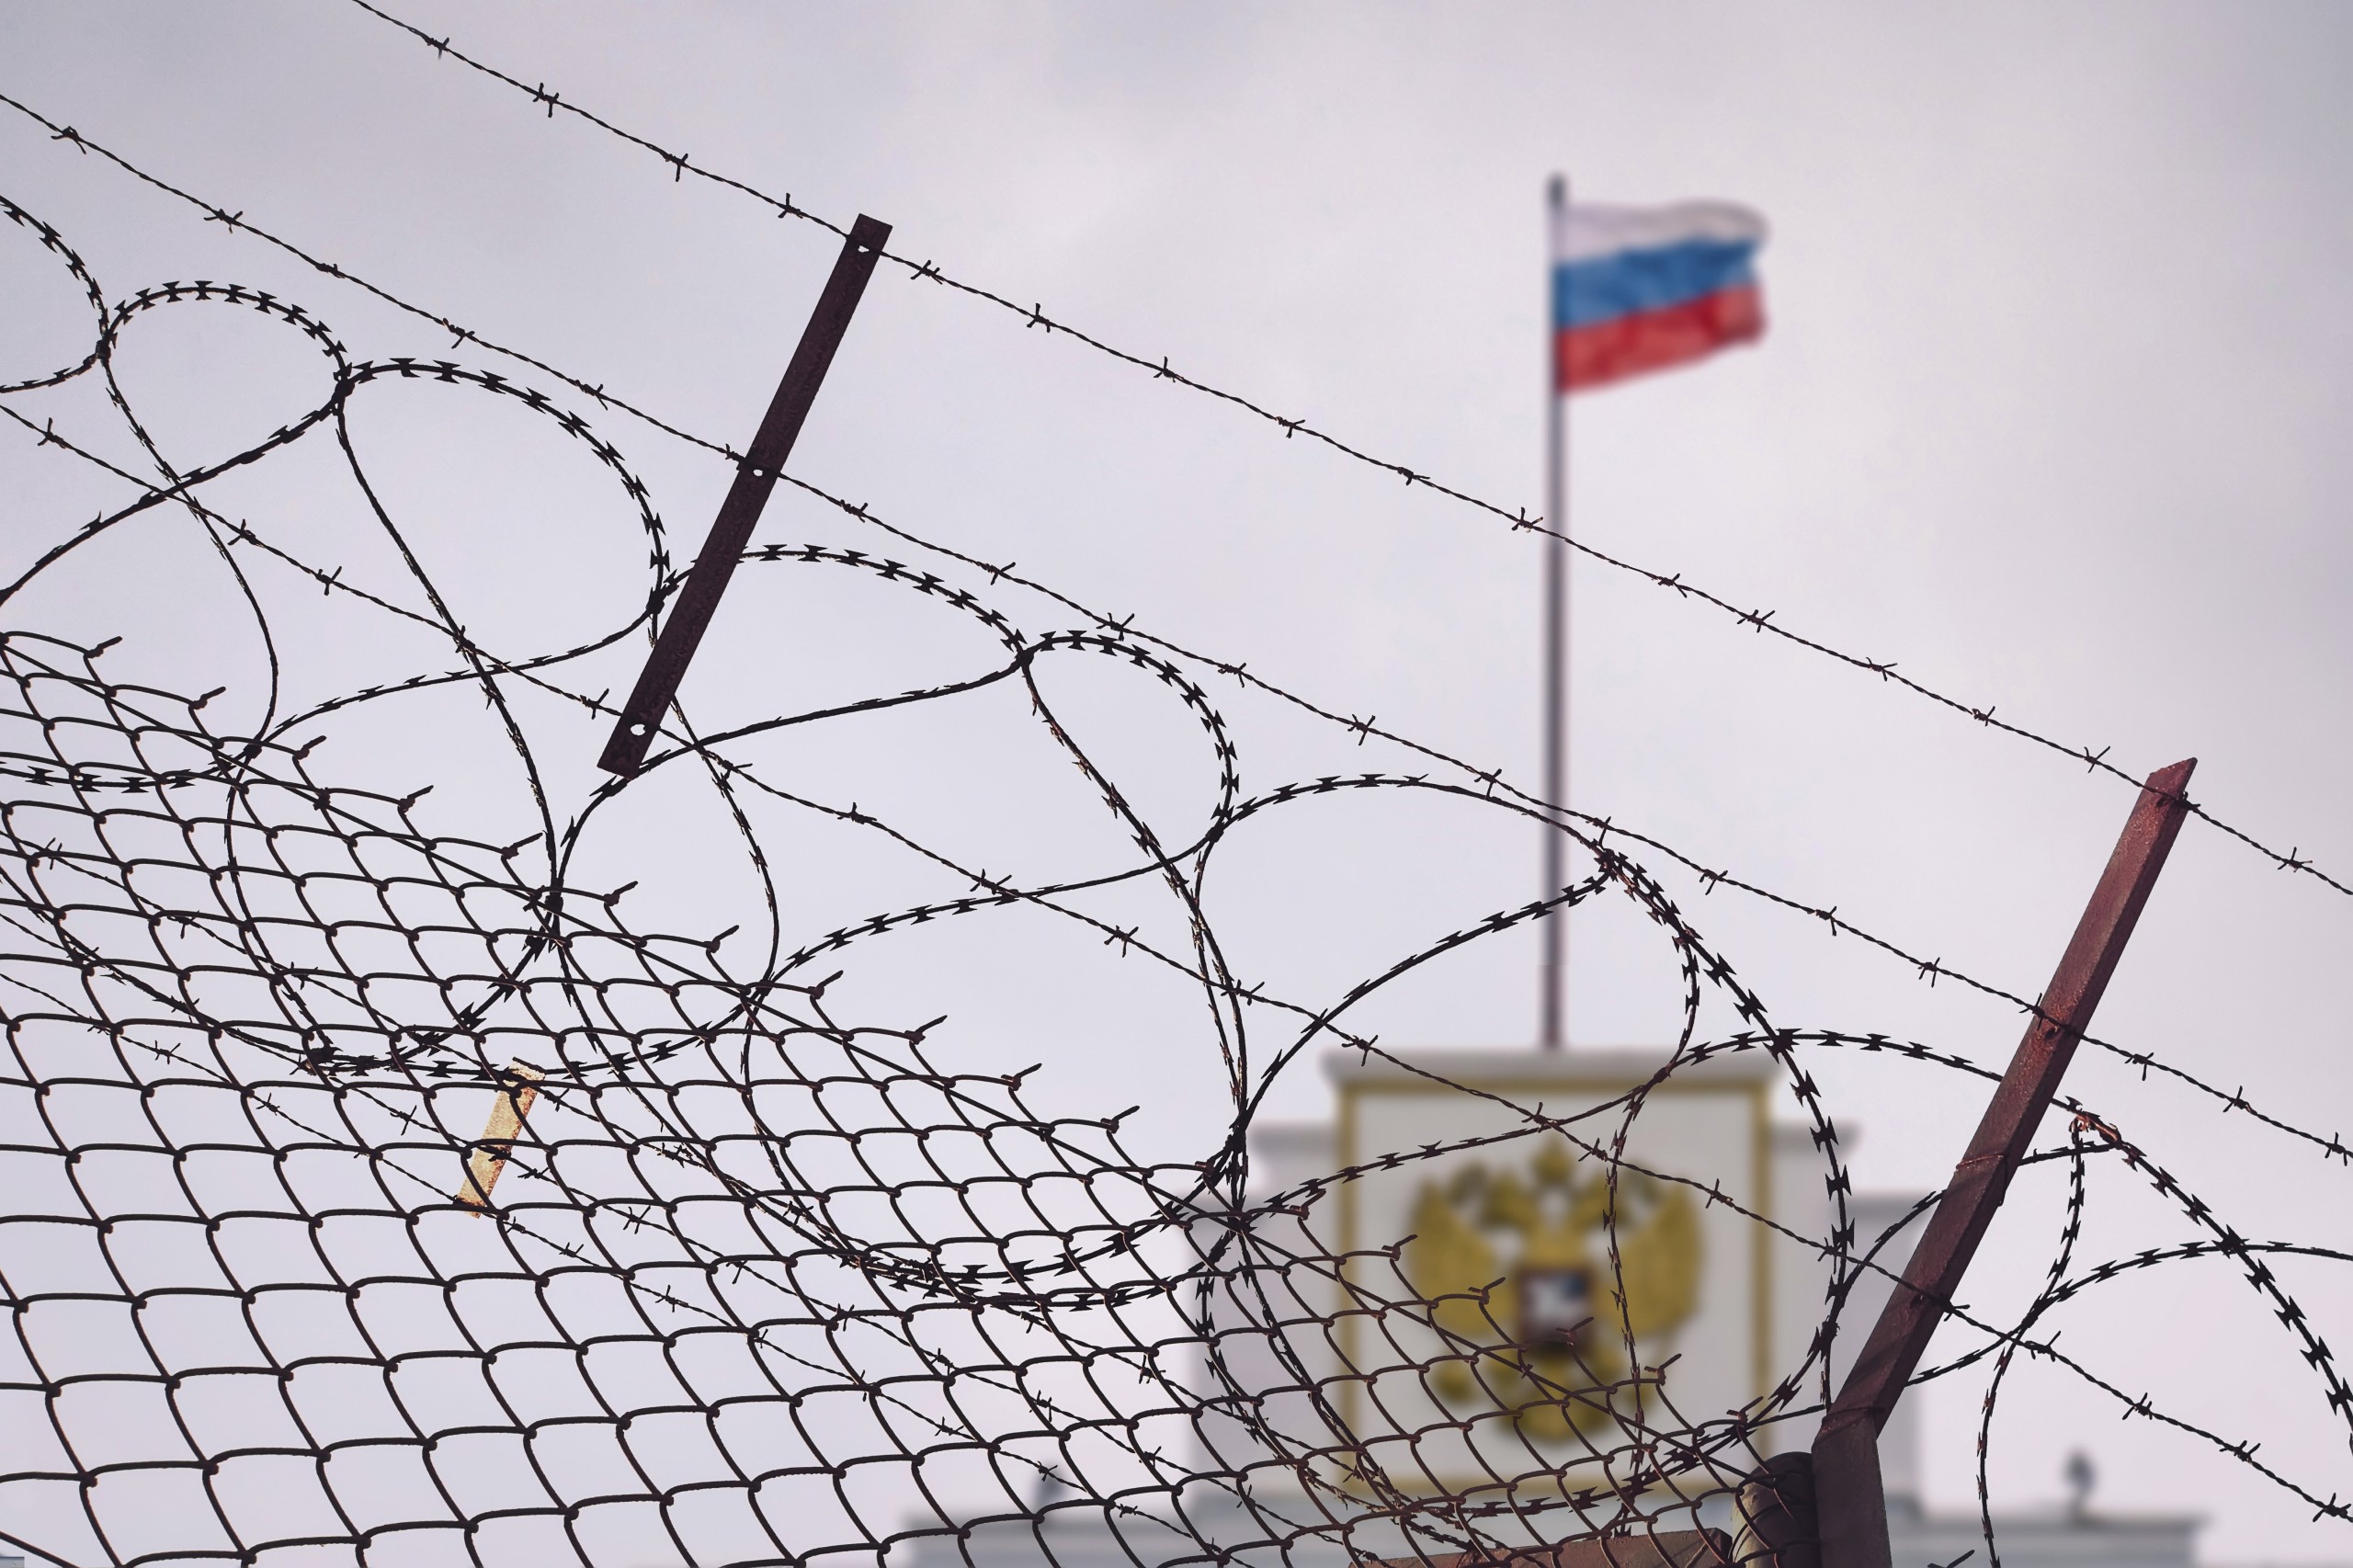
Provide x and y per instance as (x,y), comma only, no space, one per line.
(1556,631)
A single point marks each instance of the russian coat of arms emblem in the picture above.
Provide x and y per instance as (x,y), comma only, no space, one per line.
(1515,1266)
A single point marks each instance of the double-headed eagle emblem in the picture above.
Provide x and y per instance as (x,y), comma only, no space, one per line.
(1521,1264)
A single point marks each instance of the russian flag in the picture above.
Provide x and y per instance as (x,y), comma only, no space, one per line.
(1639,289)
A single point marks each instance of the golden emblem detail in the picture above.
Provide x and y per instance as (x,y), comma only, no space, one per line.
(1558,1329)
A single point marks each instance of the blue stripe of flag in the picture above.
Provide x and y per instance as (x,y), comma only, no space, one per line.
(1630,282)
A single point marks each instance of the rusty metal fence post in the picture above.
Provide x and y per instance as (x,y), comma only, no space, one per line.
(755,476)
(1851,1505)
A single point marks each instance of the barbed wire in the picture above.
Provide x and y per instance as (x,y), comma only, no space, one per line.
(376,1186)
(1930,970)
(1033,315)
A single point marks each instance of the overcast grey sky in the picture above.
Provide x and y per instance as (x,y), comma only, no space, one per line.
(2053,410)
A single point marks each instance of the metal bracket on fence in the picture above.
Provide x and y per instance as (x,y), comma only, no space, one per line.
(1829,1509)
(755,476)
(1777,1523)
(1848,1500)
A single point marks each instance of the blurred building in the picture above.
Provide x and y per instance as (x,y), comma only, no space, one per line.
(1728,1305)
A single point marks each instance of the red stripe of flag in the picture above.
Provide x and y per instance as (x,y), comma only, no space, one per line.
(1607,351)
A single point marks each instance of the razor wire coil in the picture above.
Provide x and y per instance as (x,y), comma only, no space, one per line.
(759,1282)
